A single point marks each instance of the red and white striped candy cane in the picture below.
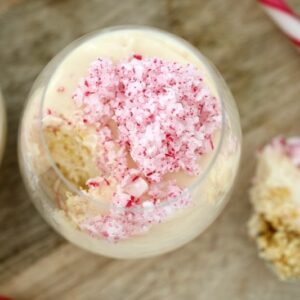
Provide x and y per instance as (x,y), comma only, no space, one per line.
(285,18)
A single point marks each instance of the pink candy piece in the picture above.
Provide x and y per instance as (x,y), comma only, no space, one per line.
(98,182)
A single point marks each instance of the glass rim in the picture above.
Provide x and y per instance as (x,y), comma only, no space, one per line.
(62,54)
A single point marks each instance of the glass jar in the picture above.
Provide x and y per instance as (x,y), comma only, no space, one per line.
(2,125)
(66,205)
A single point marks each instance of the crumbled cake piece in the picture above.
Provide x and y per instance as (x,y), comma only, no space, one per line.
(279,246)
(71,147)
(275,195)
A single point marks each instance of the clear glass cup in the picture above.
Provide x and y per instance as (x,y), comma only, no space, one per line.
(2,125)
(50,189)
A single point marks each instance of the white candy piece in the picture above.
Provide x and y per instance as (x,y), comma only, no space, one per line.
(137,188)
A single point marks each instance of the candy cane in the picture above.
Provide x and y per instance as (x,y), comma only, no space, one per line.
(285,18)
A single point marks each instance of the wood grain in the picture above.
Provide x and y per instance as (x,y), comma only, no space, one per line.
(263,72)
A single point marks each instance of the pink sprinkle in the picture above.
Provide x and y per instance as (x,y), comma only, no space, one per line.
(97,182)
(93,184)
(130,203)
(61,89)
(138,56)
(135,178)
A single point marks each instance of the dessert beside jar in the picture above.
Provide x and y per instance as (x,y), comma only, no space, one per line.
(275,195)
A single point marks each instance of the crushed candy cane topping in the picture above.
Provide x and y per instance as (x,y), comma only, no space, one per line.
(152,117)
(122,222)
(164,112)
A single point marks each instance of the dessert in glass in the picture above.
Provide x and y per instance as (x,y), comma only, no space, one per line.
(2,125)
(130,142)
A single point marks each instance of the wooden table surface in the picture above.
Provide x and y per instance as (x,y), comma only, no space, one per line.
(263,72)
